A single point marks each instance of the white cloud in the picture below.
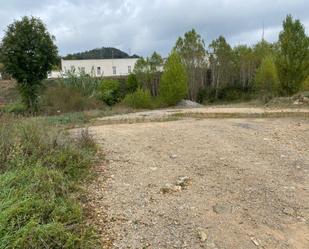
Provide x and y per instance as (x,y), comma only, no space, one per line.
(141,26)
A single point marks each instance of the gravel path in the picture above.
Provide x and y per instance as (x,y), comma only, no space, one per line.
(210,183)
(205,112)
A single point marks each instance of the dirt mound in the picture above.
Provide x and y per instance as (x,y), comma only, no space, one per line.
(301,99)
(185,103)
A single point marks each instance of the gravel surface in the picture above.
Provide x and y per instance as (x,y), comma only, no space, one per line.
(210,183)
(206,112)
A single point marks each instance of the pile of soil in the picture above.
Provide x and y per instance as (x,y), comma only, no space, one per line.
(185,103)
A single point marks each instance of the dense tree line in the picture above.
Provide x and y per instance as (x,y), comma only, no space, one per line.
(222,71)
(192,69)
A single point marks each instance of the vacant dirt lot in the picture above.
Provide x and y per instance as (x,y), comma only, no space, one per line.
(207,183)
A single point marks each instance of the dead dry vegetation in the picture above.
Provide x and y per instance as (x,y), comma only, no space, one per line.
(203,183)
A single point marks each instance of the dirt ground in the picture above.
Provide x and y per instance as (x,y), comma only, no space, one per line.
(204,183)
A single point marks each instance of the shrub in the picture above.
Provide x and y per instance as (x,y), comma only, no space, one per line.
(40,167)
(233,93)
(84,84)
(132,83)
(60,98)
(15,108)
(110,91)
(139,99)
(173,85)
(305,85)
(266,78)
(228,93)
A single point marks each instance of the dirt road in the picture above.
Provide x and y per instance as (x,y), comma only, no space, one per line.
(207,183)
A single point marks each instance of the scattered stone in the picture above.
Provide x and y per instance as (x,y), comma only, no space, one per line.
(300,100)
(254,241)
(170,188)
(202,235)
(173,156)
(222,208)
(211,245)
(188,104)
(288,211)
(306,100)
(153,168)
(183,181)
(297,102)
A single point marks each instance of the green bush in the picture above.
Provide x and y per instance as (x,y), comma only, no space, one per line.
(229,93)
(132,83)
(305,85)
(110,91)
(173,85)
(60,98)
(139,99)
(266,78)
(39,168)
(14,108)
(84,84)
(233,94)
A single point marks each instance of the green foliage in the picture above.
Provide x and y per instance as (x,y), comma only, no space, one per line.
(68,118)
(233,93)
(305,85)
(28,53)
(139,99)
(100,53)
(14,108)
(293,58)
(83,83)
(221,61)
(110,91)
(173,86)
(191,49)
(224,94)
(266,78)
(62,98)
(132,83)
(39,167)
(148,72)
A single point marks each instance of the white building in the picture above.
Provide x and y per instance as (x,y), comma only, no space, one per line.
(99,68)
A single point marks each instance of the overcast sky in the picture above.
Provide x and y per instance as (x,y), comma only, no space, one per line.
(142,26)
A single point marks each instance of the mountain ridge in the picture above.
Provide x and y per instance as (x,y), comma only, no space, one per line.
(99,53)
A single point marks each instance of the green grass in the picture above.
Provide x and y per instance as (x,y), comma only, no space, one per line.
(40,170)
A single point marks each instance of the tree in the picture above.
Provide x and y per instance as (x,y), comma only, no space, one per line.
(262,50)
(148,72)
(293,58)
(266,78)
(173,85)
(221,63)
(245,66)
(191,49)
(110,91)
(28,53)
(132,83)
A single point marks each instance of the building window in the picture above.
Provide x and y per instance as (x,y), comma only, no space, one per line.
(129,69)
(99,71)
(114,70)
